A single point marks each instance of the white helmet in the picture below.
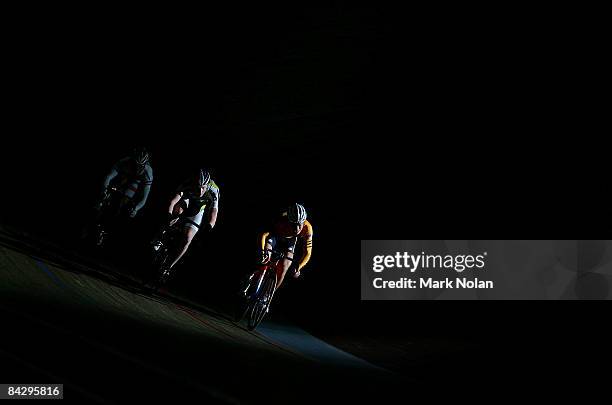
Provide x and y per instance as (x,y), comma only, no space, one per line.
(296,213)
(203,178)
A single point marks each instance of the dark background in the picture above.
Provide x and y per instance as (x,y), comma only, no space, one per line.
(385,123)
(272,101)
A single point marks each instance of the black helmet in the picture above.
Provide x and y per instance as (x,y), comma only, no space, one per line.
(203,177)
(141,156)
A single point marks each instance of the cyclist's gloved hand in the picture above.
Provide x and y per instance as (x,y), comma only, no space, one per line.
(294,270)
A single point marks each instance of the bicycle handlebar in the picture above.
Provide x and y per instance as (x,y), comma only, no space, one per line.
(275,256)
(108,191)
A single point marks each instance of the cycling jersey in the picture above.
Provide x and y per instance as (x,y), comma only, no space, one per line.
(126,176)
(282,230)
(194,203)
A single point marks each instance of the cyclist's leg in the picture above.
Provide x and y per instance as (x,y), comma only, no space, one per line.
(183,244)
(130,190)
(283,265)
(117,203)
(117,211)
(128,201)
(124,205)
(191,228)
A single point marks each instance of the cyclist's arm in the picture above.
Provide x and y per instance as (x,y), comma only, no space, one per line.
(214,206)
(145,191)
(173,202)
(213,201)
(145,194)
(266,248)
(212,217)
(263,242)
(113,173)
(308,250)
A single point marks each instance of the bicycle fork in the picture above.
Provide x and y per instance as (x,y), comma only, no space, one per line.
(260,280)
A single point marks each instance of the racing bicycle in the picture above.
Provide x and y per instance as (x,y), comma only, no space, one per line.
(113,205)
(258,291)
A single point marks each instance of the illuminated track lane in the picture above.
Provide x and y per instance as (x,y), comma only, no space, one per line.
(110,343)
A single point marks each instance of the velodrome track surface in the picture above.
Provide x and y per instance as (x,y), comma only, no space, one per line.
(111,341)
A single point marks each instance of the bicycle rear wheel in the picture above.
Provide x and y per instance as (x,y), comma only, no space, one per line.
(242,303)
(261,303)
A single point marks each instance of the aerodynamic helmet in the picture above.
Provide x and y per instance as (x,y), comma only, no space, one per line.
(296,213)
(141,156)
(203,178)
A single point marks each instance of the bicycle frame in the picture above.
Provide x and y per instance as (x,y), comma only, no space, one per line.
(111,208)
(272,265)
(113,205)
(168,244)
(262,284)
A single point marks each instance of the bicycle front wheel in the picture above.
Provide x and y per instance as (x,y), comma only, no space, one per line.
(261,303)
